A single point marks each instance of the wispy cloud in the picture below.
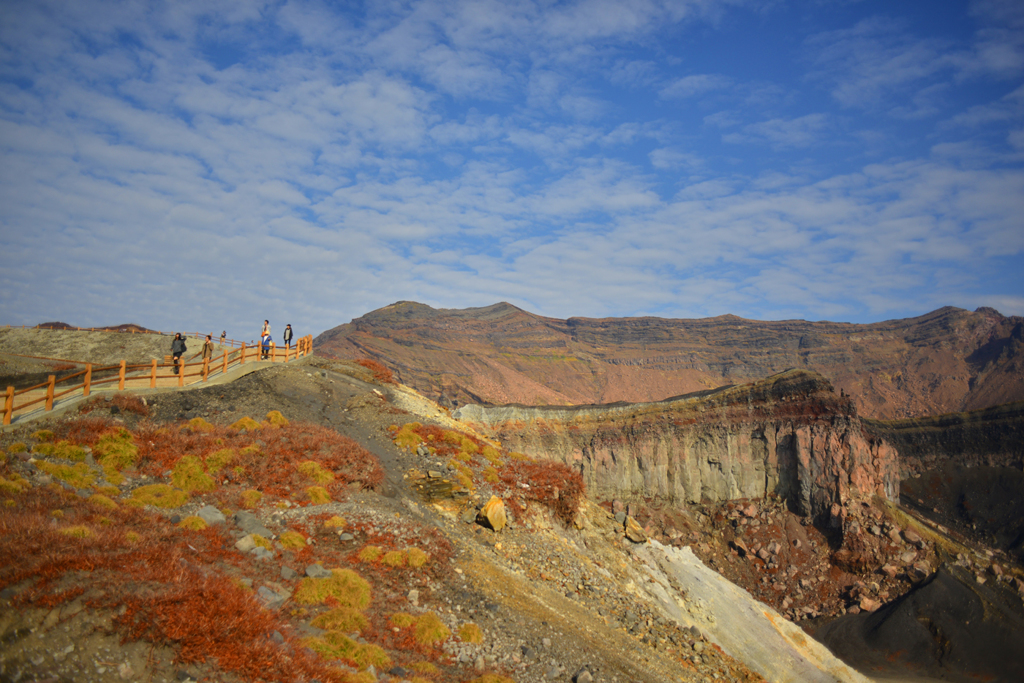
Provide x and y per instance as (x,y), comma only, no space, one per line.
(207,165)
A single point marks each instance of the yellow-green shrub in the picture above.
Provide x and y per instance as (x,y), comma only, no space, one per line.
(102,501)
(335,645)
(394,558)
(406,437)
(292,540)
(115,451)
(14,484)
(344,619)
(318,495)
(188,475)
(193,522)
(430,630)
(251,498)
(401,619)
(218,460)
(314,471)
(344,585)
(78,531)
(78,475)
(198,424)
(417,558)
(275,417)
(158,495)
(471,633)
(42,435)
(370,553)
(17,447)
(335,522)
(246,423)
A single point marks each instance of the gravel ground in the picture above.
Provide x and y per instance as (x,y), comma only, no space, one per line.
(553,603)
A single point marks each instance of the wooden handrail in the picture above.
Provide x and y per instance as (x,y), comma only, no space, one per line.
(199,371)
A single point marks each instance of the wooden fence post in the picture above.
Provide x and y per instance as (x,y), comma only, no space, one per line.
(9,405)
(152,375)
(49,391)
(181,372)
(120,376)
(206,368)
(225,370)
(87,385)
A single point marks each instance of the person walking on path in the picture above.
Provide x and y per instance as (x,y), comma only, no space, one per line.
(288,336)
(223,336)
(177,348)
(208,348)
(266,328)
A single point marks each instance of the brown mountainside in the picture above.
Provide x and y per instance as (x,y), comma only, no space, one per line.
(944,361)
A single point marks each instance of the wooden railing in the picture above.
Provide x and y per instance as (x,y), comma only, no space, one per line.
(143,376)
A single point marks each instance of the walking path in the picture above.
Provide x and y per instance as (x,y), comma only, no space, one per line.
(32,402)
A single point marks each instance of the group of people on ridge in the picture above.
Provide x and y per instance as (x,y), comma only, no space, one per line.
(267,344)
(178,347)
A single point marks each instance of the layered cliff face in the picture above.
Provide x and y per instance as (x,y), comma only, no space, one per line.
(946,361)
(789,435)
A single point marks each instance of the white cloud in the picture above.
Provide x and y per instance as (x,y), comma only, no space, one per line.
(694,85)
(782,133)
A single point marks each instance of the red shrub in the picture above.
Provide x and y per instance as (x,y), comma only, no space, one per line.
(552,484)
(379,371)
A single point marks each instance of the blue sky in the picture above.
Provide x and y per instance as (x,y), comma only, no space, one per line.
(206,165)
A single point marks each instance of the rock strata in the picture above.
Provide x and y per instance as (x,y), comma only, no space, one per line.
(789,435)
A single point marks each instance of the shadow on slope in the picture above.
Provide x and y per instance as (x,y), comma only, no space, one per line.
(949,627)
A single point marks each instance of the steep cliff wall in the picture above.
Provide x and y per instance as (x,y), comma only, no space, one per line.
(789,434)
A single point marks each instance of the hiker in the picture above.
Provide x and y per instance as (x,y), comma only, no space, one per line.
(223,336)
(265,344)
(288,336)
(208,348)
(177,348)
(266,328)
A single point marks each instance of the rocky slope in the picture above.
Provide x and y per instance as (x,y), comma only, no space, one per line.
(789,435)
(945,361)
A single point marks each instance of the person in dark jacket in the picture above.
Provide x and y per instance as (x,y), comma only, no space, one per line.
(177,348)
(288,336)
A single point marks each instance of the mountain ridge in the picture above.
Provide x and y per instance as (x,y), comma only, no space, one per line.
(947,360)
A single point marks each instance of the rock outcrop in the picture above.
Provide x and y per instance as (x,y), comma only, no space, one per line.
(945,361)
(788,435)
